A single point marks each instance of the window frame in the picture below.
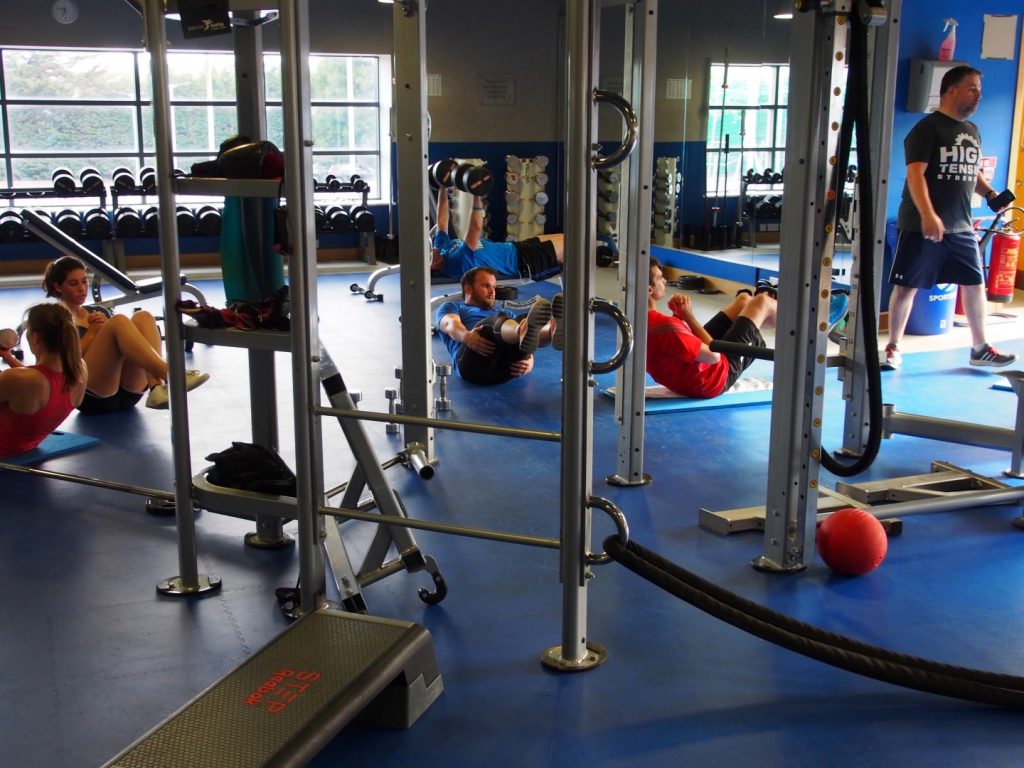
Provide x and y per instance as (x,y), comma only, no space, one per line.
(144,152)
(722,175)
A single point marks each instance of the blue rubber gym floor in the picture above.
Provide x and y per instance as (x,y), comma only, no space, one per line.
(93,657)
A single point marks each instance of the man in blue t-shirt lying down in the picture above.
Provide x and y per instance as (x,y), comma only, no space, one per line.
(537,258)
(490,346)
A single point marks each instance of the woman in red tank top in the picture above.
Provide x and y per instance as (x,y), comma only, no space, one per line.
(35,399)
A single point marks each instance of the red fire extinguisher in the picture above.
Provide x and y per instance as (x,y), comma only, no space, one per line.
(1002,266)
(1002,263)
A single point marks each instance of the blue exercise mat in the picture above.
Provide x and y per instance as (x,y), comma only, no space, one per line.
(726,400)
(56,444)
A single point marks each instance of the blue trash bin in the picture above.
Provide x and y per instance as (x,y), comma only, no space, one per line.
(932,312)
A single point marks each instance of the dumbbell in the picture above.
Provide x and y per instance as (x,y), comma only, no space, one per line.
(358,184)
(777,177)
(209,220)
(127,222)
(8,338)
(151,221)
(123,180)
(391,393)
(333,182)
(12,229)
(443,371)
(91,180)
(63,181)
(442,173)
(337,219)
(748,177)
(96,223)
(187,224)
(147,179)
(474,179)
(69,222)
(362,218)
(319,218)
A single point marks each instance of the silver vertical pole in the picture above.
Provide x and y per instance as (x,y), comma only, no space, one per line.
(807,249)
(252,121)
(885,52)
(410,101)
(632,378)
(189,581)
(575,652)
(298,178)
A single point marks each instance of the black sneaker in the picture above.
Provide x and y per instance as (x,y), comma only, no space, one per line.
(538,316)
(991,356)
(766,286)
(558,315)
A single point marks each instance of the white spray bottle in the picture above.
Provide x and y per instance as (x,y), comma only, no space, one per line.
(949,44)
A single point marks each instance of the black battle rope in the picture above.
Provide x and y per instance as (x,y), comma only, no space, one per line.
(856,101)
(834,649)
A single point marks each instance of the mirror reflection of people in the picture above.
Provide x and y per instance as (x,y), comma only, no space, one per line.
(937,242)
(489,346)
(678,355)
(537,258)
(123,353)
(35,399)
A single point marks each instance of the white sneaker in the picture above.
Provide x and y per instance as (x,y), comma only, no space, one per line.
(159,397)
(892,360)
(194,379)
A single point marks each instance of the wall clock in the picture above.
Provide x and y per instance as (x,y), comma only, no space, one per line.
(64,11)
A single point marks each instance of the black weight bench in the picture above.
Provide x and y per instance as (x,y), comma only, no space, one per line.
(131,290)
(284,704)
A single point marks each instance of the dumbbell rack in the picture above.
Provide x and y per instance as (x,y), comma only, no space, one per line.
(745,183)
(111,252)
(666,193)
(525,198)
(356,186)
(608,204)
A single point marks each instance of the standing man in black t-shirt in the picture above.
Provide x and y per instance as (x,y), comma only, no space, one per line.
(937,243)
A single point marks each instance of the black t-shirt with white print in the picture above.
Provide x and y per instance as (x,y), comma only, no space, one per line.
(952,149)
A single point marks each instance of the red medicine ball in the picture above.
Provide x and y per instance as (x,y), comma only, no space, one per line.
(852,542)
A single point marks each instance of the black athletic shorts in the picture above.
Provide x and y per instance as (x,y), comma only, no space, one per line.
(495,368)
(95,405)
(537,259)
(740,331)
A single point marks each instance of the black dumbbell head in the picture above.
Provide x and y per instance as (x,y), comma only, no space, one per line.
(442,173)
(474,179)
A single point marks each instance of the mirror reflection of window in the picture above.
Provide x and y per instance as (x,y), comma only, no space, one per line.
(746,103)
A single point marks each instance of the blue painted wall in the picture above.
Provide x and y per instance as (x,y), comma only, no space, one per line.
(919,39)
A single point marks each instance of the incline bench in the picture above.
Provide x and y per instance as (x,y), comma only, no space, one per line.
(130,289)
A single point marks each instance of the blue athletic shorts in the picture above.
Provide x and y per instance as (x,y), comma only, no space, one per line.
(921,263)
